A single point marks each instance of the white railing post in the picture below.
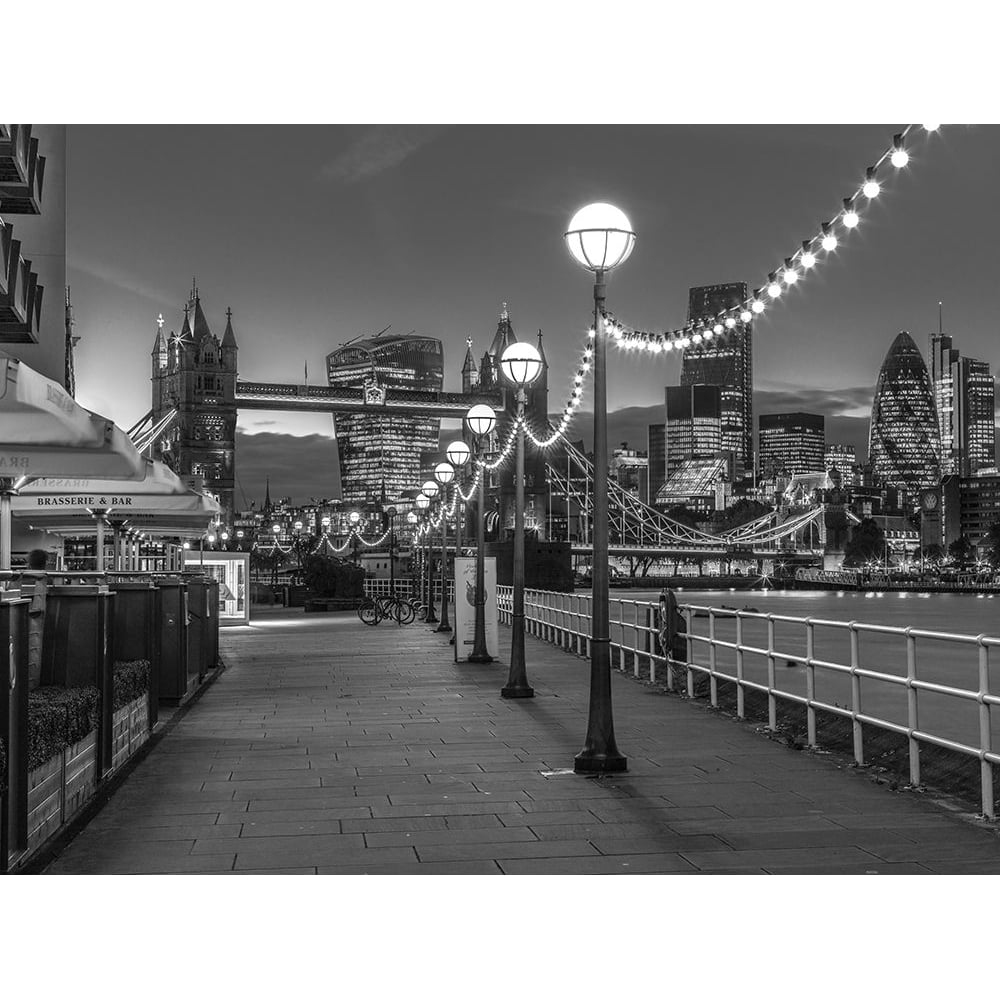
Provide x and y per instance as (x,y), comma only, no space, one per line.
(810,683)
(912,716)
(689,653)
(772,701)
(651,640)
(713,681)
(859,750)
(985,732)
(740,706)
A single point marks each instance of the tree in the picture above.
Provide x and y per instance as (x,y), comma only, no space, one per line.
(961,551)
(741,512)
(682,515)
(327,576)
(933,554)
(866,544)
(992,541)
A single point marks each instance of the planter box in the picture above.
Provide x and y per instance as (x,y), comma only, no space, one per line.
(333,603)
(129,730)
(60,788)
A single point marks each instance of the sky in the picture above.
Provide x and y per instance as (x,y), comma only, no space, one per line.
(316,235)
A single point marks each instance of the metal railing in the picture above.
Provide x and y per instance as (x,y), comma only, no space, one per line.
(405,588)
(918,670)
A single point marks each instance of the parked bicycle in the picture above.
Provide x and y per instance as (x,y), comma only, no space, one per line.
(374,609)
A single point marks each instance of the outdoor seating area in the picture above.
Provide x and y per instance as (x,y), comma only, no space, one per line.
(93,657)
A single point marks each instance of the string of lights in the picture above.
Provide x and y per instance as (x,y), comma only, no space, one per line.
(811,253)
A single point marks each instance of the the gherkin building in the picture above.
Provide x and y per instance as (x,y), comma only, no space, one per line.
(904,440)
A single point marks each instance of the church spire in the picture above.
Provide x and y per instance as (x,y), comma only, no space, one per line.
(267,497)
(229,338)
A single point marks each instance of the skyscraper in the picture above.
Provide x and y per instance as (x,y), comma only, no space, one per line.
(656,448)
(904,441)
(791,443)
(385,448)
(964,397)
(726,361)
(693,424)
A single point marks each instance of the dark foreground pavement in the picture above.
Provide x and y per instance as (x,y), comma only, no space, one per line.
(331,747)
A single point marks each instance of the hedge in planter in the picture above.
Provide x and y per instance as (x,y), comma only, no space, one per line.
(57,718)
(131,682)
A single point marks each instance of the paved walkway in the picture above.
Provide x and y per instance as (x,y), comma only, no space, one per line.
(331,747)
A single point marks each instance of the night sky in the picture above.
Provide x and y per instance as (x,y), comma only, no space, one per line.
(315,235)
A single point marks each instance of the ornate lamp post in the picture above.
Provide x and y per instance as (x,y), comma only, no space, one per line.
(430,489)
(422,503)
(458,455)
(480,420)
(276,531)
(521,364)
(354,519)
(600,237)
(411,520)
(390,513)
(444,473)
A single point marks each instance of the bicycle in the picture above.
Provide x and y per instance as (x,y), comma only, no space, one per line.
(373,610)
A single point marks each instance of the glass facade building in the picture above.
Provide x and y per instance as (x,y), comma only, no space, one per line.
(379,448)
(656,449)
(791,443)
(843,458)
(726,361)
(964,396)
(904,440)
(693,425)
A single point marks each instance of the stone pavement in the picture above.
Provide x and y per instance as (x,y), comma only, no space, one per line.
(327,746)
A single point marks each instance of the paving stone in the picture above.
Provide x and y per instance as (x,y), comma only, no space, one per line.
(328,747)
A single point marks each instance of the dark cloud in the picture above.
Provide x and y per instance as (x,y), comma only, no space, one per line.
(299,467)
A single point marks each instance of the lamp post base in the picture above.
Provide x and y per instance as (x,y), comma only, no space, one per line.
(480,658)
(517,691)
(592,762)
(431,619)
(443,627)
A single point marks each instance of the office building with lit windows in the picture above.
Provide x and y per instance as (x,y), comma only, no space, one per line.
(904,442)
(383,448)
(693,424)
(964,395)
(790,443)
(726,360)
(843,458)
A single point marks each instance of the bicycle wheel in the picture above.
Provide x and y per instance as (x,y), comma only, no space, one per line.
(403,612)
(369,614)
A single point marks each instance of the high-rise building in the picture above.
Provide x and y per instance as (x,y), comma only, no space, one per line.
(843,458)
(790,443)
(964,396)
(630,470)
(904,442)
(656,449)
(726,361)
(195,373)
(693,428)
(381,448)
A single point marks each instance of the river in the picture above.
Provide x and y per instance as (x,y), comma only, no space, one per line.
(938,661)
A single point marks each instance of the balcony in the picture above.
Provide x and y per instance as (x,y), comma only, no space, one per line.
(20,293)
(22,171)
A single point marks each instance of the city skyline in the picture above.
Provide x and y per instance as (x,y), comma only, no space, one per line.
(451,245)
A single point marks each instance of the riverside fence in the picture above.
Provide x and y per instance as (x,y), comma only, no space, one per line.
(931,688)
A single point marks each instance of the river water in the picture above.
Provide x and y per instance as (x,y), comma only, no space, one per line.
(939,661)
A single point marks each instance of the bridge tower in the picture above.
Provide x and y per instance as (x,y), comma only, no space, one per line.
(195,373)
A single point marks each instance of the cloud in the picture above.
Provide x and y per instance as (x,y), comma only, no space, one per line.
(120,279)
(380,148)
(299,467)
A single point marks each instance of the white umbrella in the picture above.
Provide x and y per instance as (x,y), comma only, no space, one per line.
(45,432)
(159,504)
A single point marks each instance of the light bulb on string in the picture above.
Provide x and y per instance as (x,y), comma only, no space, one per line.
(932,128)
(757,307)
(746,316)
(871,187)
(850,219)
(730,322)
(829,243)
(807,260)
(899,157)
(790,276)
(774,289)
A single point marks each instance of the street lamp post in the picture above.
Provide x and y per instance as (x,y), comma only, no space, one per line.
(430,490)
(276,531)
(600,237)
(444,473)
(391,514)
(521,364)
(422,503)
(480,420)
(354,519)
(458,455)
